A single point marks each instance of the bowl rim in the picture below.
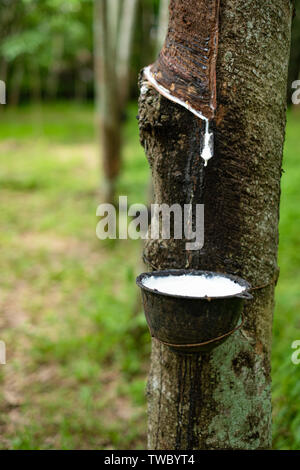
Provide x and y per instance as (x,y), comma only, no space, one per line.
(178,272)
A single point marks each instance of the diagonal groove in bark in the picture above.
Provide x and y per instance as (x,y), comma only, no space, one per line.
(186,65)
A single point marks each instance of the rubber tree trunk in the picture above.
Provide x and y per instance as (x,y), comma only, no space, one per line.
(222,399)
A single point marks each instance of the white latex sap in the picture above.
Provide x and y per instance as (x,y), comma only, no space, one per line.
(207,150)
(188,285)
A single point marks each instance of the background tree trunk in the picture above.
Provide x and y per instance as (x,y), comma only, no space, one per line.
(113,25)
(52,83)
(162,23)
(16,83)
(124,48)
(108,113)
(222,400)
(35,81)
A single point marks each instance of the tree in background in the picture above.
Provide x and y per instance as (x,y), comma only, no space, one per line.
(114,28)
(222,400)
(113,33)
(162,24)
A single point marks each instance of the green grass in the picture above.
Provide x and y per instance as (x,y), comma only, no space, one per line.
(286,375)
(76,353)
(77,356)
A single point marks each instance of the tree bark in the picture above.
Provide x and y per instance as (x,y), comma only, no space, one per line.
(222,399)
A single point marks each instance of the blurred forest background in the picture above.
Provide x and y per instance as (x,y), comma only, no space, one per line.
(77,343)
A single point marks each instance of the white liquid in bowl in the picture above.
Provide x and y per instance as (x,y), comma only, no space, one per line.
(188,285)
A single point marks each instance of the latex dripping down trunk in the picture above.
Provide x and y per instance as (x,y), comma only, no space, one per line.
(185,71)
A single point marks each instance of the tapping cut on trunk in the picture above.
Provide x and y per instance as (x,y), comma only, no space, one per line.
(185,71)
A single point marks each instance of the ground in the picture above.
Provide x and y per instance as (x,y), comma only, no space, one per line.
(77,350)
